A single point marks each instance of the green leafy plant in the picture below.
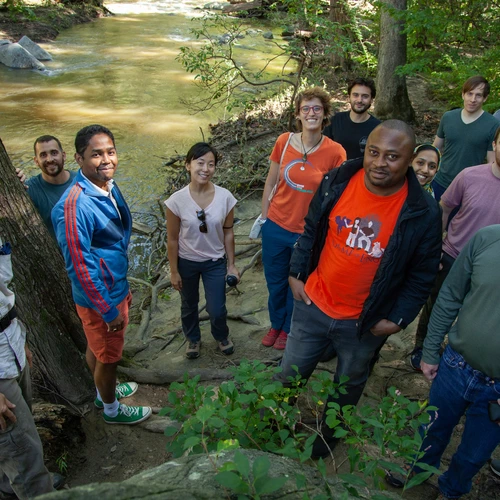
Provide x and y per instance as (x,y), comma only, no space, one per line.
(254,411)
(62,462)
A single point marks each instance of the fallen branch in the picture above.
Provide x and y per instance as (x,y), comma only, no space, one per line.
(161,377)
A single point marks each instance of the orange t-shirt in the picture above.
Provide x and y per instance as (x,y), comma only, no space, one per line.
(360,225)
(299,180)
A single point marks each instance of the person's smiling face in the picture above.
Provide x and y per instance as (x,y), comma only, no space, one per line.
(312,119)
(202,169)
(99,160)
(425,165)
(388,155)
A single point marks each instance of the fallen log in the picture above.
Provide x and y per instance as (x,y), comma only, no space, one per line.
(162,377)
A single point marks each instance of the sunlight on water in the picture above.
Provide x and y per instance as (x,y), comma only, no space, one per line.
(120,72)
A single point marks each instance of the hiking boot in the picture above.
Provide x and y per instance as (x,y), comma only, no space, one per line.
(129,415)
(193,350)
(122,391)
(271,337)
(226,347)
(280,343)
(416,358)
(495,467)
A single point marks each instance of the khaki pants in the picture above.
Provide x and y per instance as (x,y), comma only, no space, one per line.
(22,470)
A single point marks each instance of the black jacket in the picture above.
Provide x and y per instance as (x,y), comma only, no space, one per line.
(410,262)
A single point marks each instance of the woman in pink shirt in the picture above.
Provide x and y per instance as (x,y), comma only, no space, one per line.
(200,243)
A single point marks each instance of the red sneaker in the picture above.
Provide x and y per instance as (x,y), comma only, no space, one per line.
(270,337)
(280,343)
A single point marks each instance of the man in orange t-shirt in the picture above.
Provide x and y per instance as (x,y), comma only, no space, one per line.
(364,265)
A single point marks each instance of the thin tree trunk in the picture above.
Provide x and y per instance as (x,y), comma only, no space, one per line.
(43,292)
(392,94)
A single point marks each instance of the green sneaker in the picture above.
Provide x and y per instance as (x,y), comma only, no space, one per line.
(129,415)
(124,390)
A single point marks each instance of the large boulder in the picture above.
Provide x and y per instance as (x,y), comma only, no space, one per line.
(14,55)
(192,478)
(34,49)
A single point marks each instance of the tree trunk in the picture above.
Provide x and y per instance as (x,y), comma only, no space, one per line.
(392,95)
(43,292)
(338,15)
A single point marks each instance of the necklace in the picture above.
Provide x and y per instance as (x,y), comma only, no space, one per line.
(305,153)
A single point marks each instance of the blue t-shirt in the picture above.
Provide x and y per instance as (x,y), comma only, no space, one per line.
(45,195)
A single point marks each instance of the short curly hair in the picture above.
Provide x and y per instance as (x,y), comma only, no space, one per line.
(311,93)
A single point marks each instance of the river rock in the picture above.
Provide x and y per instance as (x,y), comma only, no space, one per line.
(214,6)
(268,35)
(15,56)
(34,49)
(192,478)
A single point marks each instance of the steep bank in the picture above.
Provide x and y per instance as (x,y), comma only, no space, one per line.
(42,22)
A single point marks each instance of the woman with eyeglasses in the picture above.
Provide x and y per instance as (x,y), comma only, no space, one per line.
(200,243)
(298,163)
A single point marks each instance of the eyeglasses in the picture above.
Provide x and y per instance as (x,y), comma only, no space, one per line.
(201,217)
(315,109)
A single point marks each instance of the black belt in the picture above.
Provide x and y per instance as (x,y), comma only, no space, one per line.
(7,319)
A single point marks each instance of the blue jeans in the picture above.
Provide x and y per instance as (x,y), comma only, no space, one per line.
(458,389)
(213,275)
(277,248)
(312,332)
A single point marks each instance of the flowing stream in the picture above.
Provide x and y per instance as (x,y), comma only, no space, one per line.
(120,72)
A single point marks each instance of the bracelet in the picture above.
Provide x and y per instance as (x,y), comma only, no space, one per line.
(228,227)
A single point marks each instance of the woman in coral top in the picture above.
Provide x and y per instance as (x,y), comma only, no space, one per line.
(298,163)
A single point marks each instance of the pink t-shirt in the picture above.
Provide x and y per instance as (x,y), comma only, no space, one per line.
(478,191)
(193,244)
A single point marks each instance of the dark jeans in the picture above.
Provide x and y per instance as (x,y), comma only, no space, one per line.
(458,389)
(213,275)
(312,332)
(277,248)
(22,469)
(447,261)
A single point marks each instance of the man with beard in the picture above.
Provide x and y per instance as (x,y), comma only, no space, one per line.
(352,128)
(46,188)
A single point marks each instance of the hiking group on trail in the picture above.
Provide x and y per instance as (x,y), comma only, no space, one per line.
(352,224)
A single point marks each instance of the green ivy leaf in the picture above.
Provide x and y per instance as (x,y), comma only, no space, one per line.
(242,463)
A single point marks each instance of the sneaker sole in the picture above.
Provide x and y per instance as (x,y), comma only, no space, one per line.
(495,471)
(144,417)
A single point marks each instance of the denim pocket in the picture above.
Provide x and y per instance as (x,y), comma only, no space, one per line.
(451,358)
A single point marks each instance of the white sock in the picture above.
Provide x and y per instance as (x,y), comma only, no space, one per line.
(111,409)
(98,394)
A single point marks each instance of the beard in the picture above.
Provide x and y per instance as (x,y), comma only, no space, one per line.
(360,110)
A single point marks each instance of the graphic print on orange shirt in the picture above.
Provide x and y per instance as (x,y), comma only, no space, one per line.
(360,225)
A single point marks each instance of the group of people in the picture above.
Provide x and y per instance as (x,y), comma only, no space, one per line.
(352,249)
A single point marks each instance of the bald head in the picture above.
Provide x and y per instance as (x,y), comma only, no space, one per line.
(388,154)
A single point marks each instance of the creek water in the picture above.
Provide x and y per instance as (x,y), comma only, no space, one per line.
(121,72)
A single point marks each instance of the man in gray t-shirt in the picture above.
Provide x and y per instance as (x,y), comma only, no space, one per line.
(465,135)
(46,188)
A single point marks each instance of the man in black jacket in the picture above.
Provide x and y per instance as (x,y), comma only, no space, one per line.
(354,290)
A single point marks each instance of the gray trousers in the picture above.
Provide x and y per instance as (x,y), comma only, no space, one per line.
(22,470)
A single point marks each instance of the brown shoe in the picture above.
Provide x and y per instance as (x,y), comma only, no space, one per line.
(193,350)
(226,347)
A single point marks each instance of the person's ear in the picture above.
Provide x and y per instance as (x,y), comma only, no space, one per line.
(78,159)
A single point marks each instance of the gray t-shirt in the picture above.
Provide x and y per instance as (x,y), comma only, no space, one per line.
(465,145)
(45,195)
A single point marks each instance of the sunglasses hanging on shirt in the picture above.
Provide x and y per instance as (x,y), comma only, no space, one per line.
(201,217)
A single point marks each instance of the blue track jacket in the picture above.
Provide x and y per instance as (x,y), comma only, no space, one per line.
(94,239)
